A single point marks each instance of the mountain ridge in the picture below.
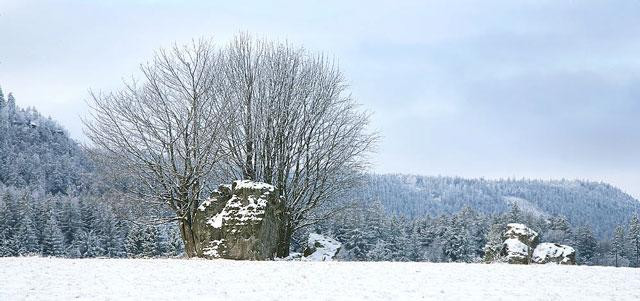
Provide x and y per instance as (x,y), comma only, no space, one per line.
(599,205)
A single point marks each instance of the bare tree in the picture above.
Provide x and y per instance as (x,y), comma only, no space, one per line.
(253,110)
(164,130)
(295,128)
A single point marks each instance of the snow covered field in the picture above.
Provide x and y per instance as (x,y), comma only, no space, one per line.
(172,279)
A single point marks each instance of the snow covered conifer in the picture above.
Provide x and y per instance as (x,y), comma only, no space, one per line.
(11,104)
(110,235)
(634,240)
(617,245)
(89,244)
(174,245)
(27,233)
(515,214)
(150,242)
(134,241)
(586,245)
(2,101)
(457,241)
(53,240)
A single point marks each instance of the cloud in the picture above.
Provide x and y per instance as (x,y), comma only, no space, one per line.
(546,89)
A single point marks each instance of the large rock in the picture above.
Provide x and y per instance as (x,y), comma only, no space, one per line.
(519,244)
(239,221)
(516,252)
(554,253)
(522,233)
(321,248)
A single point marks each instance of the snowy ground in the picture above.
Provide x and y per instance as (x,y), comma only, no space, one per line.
(167,279)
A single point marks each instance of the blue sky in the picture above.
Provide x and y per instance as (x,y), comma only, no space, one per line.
(542,89)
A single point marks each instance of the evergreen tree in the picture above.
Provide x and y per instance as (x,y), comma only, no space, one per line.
(617,245)
(457,241)
(379,252)
(515,214)
(2,101)
(397,239)
(11,105)
(150,240)
(494,239)
(134,242)
(70,222)
(634,240)
(29,244)
(559,231)
(53,240)
(111,238)
(586,245)
(88,244)
(175,247)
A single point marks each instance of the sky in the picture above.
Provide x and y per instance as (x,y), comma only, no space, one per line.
(493,89)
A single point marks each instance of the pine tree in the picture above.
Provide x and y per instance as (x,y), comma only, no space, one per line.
(111,239)
(617,245)
(586,245)
(397,239)
(515,214)
(87,216)
(89,244)
(10,245)
(26,232)
(175,247)
(456,241)
(2,101)
(11,105)
(634,240)
(150,242)
(559,231)
(134,242)
(5,230)
(70,222)
(379,252)
(494,243)
(53,240)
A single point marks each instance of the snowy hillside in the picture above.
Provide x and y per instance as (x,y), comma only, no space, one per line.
(171,279)
(597,205)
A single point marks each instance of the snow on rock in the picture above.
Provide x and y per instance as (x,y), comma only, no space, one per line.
(521,247)
(212,249)
(519,243)
(515,251)
(239,221)
(554,253)
(251,185)
(321,248)
(522,233)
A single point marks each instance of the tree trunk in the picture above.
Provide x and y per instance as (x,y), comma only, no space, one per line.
(284,244)
(188,239)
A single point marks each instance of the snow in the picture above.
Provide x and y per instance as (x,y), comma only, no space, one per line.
(526,206)
(326,248)
(216,220)
(212,249)
(515,230)
(252,211)
(204,204)
(516,248)
(551,250)
(247,184)
(174,279)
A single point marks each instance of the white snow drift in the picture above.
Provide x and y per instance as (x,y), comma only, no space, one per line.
(173,279)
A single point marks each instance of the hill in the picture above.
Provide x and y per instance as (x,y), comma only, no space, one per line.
(36,152)
(598,205)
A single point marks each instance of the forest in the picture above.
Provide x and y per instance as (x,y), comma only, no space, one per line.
(55,201)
